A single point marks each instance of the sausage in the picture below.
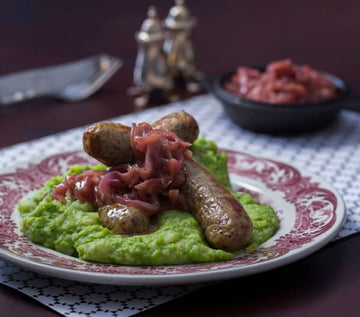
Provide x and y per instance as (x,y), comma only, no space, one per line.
(110,143)
(224,220)
(181,123)
(125,220)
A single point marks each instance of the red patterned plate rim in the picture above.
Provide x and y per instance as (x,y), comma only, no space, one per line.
(311,212)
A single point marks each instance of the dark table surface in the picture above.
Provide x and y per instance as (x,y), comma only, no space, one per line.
(324,34)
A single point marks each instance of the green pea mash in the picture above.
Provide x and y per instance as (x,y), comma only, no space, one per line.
(74,228)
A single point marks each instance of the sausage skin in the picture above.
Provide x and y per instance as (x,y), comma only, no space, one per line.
(123,219)
(181,123)
(110,143)
(224,220)
(225,223)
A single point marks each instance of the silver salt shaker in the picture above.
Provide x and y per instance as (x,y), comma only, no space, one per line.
(178,44)
(151,72)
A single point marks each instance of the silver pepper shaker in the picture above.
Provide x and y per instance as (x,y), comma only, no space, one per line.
(151,71)
(178,44)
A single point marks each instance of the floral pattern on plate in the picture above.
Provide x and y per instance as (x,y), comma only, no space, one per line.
(311,213)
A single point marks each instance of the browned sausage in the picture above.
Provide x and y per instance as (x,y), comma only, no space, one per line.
(110,143)
(123,219)
(224,220)
(181,123)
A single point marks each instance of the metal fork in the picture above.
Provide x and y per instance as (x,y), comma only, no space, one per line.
(70,82)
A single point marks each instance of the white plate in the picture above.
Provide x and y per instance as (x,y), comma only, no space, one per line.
(311,213)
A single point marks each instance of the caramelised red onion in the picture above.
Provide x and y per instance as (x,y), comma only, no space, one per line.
(151,182)
(80,186)
(282,82)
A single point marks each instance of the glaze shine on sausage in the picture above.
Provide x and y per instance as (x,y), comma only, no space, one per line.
(124,220)
(224,220)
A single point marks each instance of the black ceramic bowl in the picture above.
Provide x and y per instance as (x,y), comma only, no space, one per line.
(281,118)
